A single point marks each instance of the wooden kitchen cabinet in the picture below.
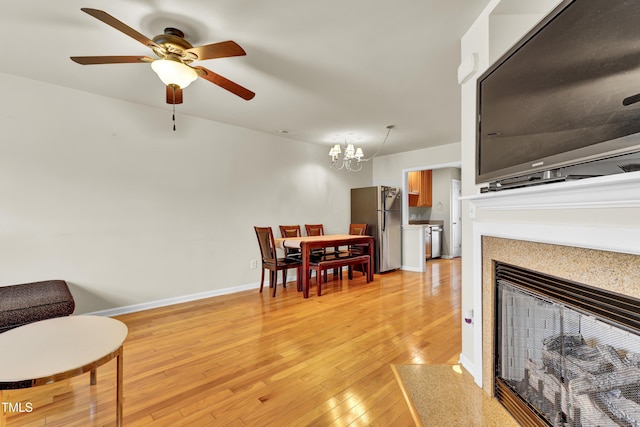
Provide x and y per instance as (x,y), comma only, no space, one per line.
(426,193)
(420,192)
(413,181)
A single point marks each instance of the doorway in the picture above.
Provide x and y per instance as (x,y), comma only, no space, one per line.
(444,208)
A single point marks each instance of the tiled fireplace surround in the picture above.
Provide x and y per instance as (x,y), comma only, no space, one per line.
(603,255)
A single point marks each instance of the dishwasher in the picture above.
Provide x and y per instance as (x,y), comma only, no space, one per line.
(433,241)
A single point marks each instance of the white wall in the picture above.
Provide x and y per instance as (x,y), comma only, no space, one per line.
(483,39)
(389,170)
(103,194)
(475,41)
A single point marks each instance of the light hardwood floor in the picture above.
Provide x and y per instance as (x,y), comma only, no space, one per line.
(248,359)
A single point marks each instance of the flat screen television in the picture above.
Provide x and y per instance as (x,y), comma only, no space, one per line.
(567,93)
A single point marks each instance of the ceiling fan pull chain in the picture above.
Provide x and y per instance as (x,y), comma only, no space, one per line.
(173,104)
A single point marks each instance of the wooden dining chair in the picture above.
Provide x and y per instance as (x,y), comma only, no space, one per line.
(357,230)
(321,254)
(314,229)
(295,253)
(271,262)
(291,231)
(355,250)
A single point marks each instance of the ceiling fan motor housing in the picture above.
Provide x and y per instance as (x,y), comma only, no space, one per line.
(173,43)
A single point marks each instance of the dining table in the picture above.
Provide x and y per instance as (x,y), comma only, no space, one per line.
(308,243)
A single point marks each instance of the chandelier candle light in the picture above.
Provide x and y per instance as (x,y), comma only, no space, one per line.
(353,157)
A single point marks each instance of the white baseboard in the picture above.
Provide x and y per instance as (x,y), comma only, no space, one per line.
(117,311)
(176,300)
(412,268)
(470,367)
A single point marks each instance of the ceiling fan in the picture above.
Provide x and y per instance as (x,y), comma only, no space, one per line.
(175,54)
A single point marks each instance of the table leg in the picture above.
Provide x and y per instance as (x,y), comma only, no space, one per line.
(304,252)
(119,372)
(371,260)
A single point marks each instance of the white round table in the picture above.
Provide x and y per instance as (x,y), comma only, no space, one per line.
(55,349)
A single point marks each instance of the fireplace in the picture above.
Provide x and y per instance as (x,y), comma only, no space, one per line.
(613,271)
(585,232)
(565,353)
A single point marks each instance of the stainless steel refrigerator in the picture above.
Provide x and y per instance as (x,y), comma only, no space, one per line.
(380,208)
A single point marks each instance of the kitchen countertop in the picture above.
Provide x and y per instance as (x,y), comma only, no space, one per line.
(425,222)
(413,247)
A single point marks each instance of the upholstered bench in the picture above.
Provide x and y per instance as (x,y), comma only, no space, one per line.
(30,302)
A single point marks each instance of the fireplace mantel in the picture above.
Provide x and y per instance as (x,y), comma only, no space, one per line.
(612,191)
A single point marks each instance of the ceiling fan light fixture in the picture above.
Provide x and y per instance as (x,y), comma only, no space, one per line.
(173,72)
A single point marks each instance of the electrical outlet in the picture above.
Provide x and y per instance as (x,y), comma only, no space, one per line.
(472,211)
(254,264)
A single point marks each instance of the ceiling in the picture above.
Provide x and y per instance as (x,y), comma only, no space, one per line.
(320,70)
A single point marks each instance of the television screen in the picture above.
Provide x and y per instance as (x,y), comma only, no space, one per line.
(567,93)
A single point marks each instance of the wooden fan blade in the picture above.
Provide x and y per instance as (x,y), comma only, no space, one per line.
(217,50)
(118,25)
(225,83)
(631,99)
(174,94)
(93,60)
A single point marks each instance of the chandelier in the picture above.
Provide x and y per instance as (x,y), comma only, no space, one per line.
(350,161)
(353,157)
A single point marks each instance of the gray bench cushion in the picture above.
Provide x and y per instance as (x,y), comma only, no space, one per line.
(30,302)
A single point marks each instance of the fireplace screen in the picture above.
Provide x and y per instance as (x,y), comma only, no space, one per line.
(563,363)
